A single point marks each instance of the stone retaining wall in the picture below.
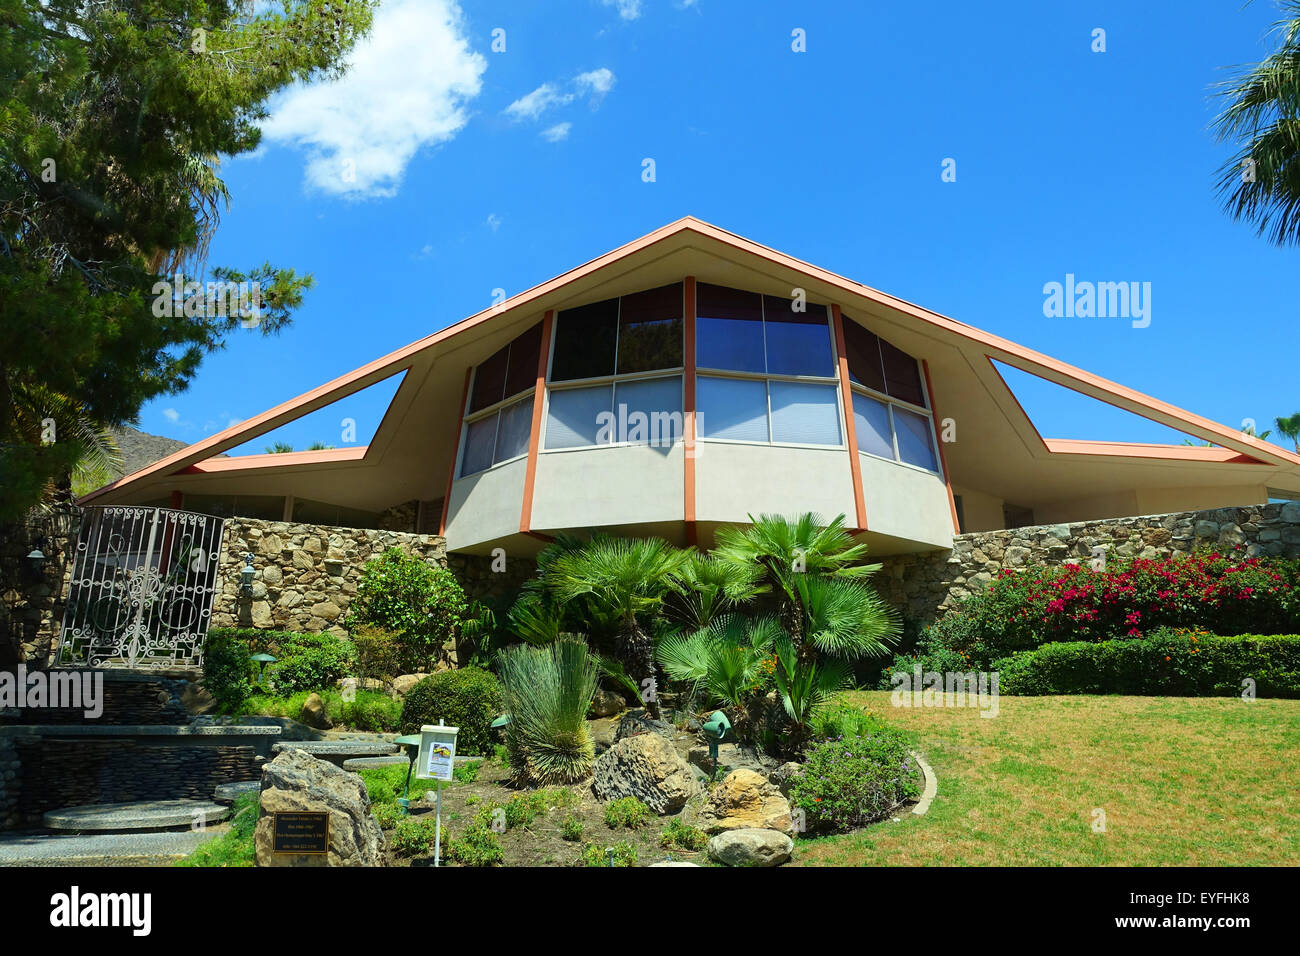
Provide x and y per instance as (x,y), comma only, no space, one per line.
(10,783)
(306,574)
(925,586)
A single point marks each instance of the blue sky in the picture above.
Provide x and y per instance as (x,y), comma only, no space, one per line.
(441,170)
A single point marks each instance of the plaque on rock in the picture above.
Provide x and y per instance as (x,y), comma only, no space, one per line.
(306,832)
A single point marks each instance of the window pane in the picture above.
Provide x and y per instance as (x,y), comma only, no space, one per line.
(914,445)
(515,429)
(584,341)
(731,408)
(871,422)
(862,349)
(729,329)
(650,330)
(804,414)
(798,343)
(659,401)
(489,380)
(524,353)
(902,374)
(571,419)
(480,437)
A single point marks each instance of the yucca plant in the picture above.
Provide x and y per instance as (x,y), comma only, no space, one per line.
(547,691)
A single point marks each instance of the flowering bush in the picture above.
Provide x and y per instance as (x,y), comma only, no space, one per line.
(1023,609)
(852,781)
(1171,661)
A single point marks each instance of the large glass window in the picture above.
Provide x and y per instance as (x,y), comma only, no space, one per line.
(499,412)
(621,343)
(889,403)
(731,408)
(770,348)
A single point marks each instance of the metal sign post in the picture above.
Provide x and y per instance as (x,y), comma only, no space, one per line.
(436,762)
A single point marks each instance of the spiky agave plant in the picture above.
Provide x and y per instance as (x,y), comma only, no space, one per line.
(547,691)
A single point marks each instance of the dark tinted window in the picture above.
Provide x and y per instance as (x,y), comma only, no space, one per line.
(862,349)
(798,343)
(489,380)
(524,352)
(902,374)
(584,341)
(729,329)
(650,330)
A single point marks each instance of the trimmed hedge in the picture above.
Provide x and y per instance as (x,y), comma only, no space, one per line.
(1168,663)
(307,660)
(467,698)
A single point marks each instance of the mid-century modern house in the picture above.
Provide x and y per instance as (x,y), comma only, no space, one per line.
(689,379)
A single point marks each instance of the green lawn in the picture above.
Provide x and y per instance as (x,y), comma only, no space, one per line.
(1182,781)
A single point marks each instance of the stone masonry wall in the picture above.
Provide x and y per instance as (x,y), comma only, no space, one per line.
(306,574)
(925,586)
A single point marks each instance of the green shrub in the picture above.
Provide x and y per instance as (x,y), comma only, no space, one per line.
(379,652)
(854,781)
(311,662)
(683,836)
(626,812)
(571,829)
(386,784)
(624,854)
(479,845)
(227,670)
(386,815)
(1169,662)
(424,603)
(843,720)
(547,691)
(467,698)
(467,772)
(412,836)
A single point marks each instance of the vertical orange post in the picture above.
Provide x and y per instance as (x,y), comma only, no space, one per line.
(688,408)
(455,450)
(534,437)
(943,459)
(850,426)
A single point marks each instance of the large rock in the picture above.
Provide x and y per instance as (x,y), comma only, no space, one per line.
(636,722)
(402,685)
(606,703)
(313,713)
(751,848)
(646,767)
(784,777)
(730,757)
(745,800)
(296,781)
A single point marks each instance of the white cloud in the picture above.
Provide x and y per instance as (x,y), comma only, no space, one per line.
(494,221)
(408,87)
(627,9)
(537,102)
(557,132)
(597,82)
(171,415)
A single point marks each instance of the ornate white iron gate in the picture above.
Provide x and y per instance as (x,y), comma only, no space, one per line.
(142,586)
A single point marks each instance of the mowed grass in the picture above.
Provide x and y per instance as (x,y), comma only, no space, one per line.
(1181,781)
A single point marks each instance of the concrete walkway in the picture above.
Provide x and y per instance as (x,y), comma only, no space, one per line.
(107,849)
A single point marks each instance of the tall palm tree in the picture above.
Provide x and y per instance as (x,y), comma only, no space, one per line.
(41,416)
(1261,183)
(627,580)
(1290,427)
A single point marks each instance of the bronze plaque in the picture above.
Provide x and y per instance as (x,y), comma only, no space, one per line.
(305,832)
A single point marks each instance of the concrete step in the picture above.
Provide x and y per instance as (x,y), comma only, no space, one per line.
(100,849)
(141,815)
(227,793)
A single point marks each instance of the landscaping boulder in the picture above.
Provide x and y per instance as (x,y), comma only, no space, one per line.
(402,685)
(296,781)
(730,757)
(313,713)
(750,847)
(646,767)
(605,703)
(602,734)
(744,800)
(636,722)
(784,776)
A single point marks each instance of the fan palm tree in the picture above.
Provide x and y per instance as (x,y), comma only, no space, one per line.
(708,588)
(1261,183)
(43,417)
(627,580)
(1290,427)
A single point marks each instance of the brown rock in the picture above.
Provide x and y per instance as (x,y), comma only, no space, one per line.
(745,800)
